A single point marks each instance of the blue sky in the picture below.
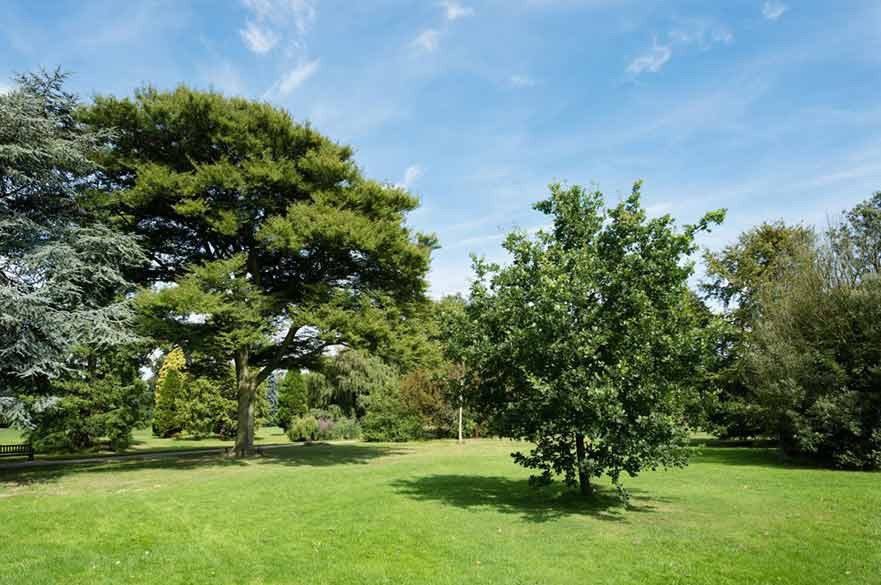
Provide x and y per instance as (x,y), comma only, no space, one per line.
(768,108)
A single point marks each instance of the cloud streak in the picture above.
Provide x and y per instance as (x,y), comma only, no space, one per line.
(257,39)
(772,10)
(428,40)
(455,11)
(521,81)
(411,175)
(651,61)
(273,18)
(294,78)
(701,33)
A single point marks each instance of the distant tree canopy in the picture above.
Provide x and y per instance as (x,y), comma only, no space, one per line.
(276,243)
(814,358)
(761,255)
(735,278)
(584,343)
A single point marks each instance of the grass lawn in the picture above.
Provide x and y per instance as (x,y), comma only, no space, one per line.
(145,441)
(354,513)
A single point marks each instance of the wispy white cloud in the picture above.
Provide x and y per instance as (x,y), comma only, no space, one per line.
(651,61)
(701,33)
(296,77)
(411,175)
(772,9)
(301,13)
(455,11)
(272,19)
(521,81)
(259,40)
(428,40)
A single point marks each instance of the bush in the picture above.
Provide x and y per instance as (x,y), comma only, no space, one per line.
(814,363)
(291,399)
(389,426)
(88,414)
(347,429)
(303,428)
(340,429)
(203,410)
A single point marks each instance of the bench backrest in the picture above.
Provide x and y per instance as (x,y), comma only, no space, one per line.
(22,449)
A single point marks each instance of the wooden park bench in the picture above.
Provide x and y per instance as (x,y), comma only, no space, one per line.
(17,450)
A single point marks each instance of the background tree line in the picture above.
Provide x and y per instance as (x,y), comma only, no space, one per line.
(285,287)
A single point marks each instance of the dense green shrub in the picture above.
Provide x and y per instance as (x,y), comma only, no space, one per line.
(815,366)
(432,395)
(387,425)
(89,414)
(292,400)
(198,405)
(202,409)
(303,428)
(389,419)
(347,429)
(338,429)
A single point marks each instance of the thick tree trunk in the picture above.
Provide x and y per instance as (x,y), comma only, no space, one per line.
(247,393)
(583,475)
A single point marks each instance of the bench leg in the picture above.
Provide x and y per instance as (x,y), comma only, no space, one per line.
(31,456)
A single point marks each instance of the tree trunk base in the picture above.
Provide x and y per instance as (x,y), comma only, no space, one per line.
(240,453)
(583,476)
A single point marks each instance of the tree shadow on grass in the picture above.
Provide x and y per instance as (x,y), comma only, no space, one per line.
(771,457)
(511,496)
(308,455)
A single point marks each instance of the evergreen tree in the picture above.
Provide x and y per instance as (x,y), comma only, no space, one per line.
(61,273)
(272,235)
(170,386)
(292,399)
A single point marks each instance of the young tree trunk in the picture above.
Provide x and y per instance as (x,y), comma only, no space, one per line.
(460,422)
(583,475)
(247,393)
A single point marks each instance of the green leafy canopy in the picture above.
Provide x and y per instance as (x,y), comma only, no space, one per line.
(587,337)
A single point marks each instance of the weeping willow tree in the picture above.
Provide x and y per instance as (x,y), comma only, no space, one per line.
(61,274)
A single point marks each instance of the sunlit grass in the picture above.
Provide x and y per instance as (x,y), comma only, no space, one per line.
(145,441)
(434,513)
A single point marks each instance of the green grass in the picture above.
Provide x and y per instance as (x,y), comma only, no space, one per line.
(434,513)
(145,441)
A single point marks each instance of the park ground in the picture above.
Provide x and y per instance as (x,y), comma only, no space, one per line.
(434,513)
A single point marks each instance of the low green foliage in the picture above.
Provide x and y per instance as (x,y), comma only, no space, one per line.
(389,419)
(341,429)
(292,399)
(89,414)
(303,428)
